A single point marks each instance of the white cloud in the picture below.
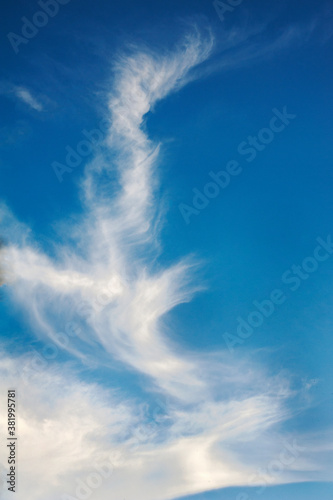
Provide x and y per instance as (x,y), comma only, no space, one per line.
(218,407)
(239,47)
(67,429)
(25,95)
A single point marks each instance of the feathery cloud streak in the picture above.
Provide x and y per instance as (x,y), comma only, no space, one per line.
(214,409)
(25,96)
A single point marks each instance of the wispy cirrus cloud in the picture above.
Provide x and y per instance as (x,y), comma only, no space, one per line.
(25,96)
(217,404)
(242,46)
(21,93)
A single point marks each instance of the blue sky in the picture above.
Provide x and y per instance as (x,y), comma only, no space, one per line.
(167,259)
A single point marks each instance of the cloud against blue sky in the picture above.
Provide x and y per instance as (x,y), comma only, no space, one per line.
(115,309)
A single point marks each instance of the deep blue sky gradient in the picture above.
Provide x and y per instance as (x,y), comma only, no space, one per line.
(264,222)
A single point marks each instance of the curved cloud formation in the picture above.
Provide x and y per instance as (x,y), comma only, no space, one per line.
(104,277)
